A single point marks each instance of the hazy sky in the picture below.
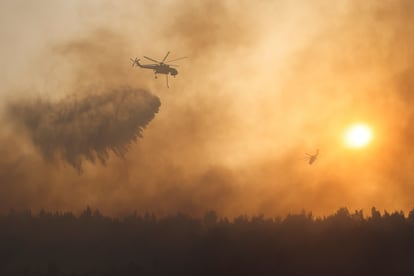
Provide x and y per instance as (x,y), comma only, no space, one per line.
(265,82)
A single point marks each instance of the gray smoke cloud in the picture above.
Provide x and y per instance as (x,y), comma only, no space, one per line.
(266,81)
(87,128)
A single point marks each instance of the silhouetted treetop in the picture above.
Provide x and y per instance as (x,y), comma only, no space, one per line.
(344,243)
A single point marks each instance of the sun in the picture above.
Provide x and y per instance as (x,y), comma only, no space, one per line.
(358,136)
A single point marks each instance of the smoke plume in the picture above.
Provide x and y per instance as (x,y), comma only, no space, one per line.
(265,82)
(87,128)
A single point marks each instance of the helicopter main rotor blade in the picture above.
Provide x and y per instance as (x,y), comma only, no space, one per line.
(165,57)
(152,59)
(173,65)
(177,59)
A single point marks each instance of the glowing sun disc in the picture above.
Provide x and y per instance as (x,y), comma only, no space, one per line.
(358,136)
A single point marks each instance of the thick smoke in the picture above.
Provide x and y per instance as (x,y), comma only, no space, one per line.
(265,83)
(87,128)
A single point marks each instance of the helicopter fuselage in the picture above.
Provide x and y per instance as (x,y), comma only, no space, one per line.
(160,69)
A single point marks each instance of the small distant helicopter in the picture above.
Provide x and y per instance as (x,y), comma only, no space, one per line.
(161,67)
(312,157)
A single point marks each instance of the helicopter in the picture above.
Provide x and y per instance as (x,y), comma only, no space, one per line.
(160,67)
(312,157)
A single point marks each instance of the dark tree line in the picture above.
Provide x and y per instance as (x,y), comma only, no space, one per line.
(92,244)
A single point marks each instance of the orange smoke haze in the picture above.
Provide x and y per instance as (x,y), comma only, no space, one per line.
(266,81)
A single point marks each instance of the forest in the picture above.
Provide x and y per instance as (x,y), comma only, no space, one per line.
(344,243)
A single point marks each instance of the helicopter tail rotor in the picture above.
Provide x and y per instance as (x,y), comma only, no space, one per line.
(135,62)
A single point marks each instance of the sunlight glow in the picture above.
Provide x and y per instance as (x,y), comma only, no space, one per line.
(358,136)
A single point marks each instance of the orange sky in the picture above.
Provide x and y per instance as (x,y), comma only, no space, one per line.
(266,81)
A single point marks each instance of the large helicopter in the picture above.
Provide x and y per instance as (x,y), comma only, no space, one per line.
(160,67)
(312,157)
